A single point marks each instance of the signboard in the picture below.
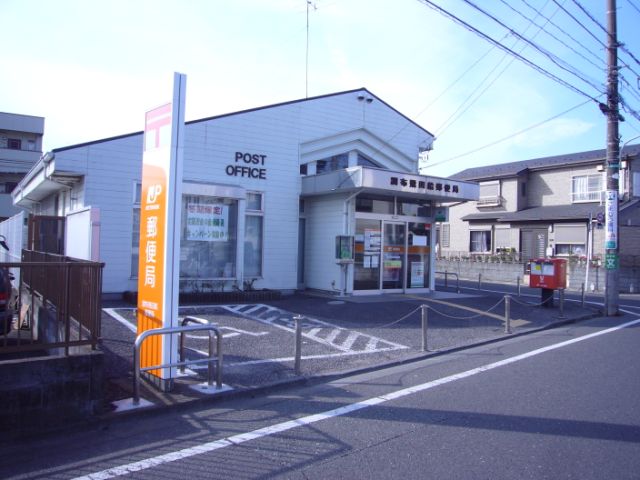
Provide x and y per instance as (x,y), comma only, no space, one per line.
(611,261)
(611,224)
(207,222)
(160,230)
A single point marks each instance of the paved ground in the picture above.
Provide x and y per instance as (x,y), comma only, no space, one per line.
(339,335)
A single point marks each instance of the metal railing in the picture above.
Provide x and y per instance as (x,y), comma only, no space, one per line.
(446,277)
(54,302)
(181,330)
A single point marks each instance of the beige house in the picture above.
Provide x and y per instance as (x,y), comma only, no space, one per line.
(551,206)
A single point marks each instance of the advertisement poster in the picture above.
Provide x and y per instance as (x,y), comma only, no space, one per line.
(611,219)
(417,274)
(207,222)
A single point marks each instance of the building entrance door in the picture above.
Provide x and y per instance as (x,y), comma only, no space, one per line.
(391,256)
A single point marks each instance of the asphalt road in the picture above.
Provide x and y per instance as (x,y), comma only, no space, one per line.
(561,403)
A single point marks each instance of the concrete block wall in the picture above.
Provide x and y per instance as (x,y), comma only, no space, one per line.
(509,273)
(47,392)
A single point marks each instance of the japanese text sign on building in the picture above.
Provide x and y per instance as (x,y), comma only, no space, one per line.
(207,222)
(159,228)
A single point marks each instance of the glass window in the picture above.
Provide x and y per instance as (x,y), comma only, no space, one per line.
(337,162)
(480,241)
(414,208)
(208,237)
(586,188)
(365,162)
(14,144)
(254,201)
(563,249)
(253,235)
(253,246)
(374,204)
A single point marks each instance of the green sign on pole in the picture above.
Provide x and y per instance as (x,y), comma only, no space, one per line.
(611,261)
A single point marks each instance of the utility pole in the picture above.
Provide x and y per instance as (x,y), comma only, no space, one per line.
(612,247)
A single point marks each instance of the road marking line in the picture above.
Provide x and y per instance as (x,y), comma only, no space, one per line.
(337,412)
(121,319)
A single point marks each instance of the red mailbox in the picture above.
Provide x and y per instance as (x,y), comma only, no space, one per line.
(548,273)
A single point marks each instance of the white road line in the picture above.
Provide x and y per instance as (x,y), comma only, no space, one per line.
(310,419)
(121,319)
(351,339)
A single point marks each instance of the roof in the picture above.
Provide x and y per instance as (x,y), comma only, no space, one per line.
(512,169)
(482,216)
(576,211)
(93,142)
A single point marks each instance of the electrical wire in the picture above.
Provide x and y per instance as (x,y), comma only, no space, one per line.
(445,90)
(555,59)
(524,130)
(565,33)
(526,61)
(557,39)
(603,28)
(584,27)
(634,6)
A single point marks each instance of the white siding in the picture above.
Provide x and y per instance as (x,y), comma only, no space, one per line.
(325,220)
(111,168)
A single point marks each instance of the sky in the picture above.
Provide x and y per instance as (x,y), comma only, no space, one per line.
(92,68)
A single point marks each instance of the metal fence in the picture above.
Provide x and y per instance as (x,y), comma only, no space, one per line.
(53,302)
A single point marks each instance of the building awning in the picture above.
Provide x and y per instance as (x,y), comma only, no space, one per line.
(388,182)
(482,216)
(42,181)
(576,211)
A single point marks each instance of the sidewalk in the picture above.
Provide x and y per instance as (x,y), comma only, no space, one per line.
(340,335)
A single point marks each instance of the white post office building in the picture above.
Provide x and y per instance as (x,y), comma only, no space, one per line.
(321,193)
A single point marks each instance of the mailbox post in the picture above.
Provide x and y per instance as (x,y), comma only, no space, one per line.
(548,274)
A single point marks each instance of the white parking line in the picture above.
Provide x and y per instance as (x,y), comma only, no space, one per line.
(310,419)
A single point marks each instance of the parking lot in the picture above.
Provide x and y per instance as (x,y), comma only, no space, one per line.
(338,335)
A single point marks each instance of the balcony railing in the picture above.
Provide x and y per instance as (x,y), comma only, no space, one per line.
(492,201)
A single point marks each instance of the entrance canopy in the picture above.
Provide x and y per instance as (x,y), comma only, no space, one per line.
(378,180)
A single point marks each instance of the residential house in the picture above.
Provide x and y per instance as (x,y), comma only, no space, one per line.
(551,206)
(20,149)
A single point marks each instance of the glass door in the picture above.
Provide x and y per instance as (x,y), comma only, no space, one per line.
(393,256)
(419,249)
(368,242)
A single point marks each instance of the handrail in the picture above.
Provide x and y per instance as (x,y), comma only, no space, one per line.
(200,321)
(446,274)
(162,331)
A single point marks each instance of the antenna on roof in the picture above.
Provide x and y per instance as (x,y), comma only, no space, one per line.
(306,66)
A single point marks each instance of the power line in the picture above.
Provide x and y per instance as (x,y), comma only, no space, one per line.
(556,60)
(518,12)
(445,90)
(524,130)
(565,33)
(570,15)
(634,6)
(529,63)
(446,125)
(595,21)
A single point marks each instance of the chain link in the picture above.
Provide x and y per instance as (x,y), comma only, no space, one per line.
(465,318)
(528,304)
(401,318)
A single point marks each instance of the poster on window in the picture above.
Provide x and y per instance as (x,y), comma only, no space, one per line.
(372,240)
(417,274)
(207,222)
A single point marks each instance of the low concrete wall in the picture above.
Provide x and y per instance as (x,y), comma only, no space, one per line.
(47,392)
(509,272)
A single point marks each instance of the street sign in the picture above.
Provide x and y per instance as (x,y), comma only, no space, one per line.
(611,261)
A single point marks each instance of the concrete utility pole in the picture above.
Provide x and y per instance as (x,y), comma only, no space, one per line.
(612,262)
